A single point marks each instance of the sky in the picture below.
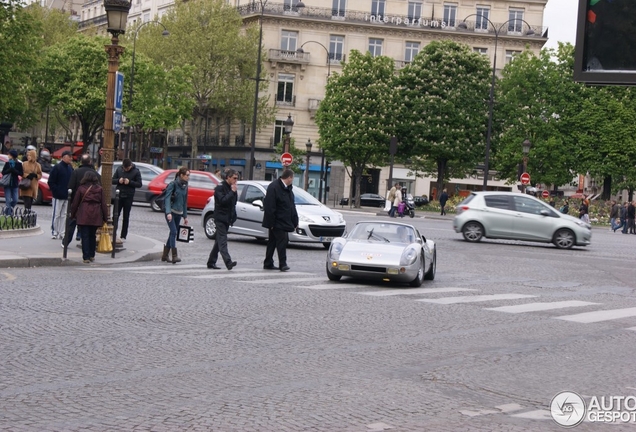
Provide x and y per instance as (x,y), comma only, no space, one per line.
(560,18)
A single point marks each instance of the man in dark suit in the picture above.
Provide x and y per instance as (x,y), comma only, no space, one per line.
(225,197)
(280,218)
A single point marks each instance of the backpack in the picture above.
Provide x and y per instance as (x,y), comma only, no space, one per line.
(161,199)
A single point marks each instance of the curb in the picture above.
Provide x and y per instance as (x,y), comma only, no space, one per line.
(27,232)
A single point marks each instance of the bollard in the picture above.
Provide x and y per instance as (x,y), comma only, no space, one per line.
(68,221)
(115,221)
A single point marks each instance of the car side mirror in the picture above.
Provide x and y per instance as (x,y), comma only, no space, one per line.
(258,203)
(544,213)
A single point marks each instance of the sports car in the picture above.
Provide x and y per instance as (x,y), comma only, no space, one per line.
(390,251)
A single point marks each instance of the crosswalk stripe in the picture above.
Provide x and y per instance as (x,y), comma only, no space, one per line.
(286,280)
(632,328)
(479,298)
(597,316)
(535,307)
(225,274)
(534,415)
(332,285)
(394,292)
(164,267)
(190,270)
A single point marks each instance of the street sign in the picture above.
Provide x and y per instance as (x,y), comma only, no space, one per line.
(119,91)
(545,194)
(525,178)
(117,121)
(286,159)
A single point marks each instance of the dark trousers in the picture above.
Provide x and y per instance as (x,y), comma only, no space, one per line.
(443,209)
(220,245)
(125,204)
(28,202)
(630,225)
(89,242)
(278,240)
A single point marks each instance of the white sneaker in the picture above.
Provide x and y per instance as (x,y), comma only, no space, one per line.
(54,236)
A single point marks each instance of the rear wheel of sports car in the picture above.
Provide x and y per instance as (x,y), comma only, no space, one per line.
(210,226)
(564,239)
(473,231)
(153,205)
(332,277)
(430,274)
(417,282)
(326,245)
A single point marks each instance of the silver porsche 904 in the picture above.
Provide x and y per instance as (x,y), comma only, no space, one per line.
(390,251)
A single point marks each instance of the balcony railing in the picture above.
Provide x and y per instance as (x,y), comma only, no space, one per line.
(399,64)
(239,141)
(291,102)
(360,17)
(277,55)
(103,19)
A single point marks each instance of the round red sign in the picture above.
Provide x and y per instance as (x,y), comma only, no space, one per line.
(545,194)
(286,159)
(525,178)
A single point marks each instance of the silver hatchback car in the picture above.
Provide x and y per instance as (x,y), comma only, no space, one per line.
(506,215)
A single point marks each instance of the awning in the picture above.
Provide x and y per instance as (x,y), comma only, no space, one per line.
(77,151)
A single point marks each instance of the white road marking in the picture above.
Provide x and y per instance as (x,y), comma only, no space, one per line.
(597,316)
(535,307)
(471,413)
(479,298)
(394,292)
(190,270)
(287,280)
(332,285)
(534,415)
(509,407)
(162,267)
(231,274)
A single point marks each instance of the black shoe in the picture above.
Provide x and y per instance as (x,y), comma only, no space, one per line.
(284,268)
(231,265)
(214,266)
(269,267)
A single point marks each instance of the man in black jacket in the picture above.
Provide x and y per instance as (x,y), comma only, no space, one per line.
(225,198)
(127,178)
(280,218)
(86,164)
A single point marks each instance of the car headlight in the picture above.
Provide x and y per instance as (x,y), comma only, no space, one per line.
(583,224)
(409,256)
(340,218)
(304,218)
(335,250)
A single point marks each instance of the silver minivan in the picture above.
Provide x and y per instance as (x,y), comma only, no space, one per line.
(514,216)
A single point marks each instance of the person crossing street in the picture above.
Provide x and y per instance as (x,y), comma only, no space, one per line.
(225,198)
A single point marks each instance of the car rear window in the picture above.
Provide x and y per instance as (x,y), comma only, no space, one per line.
(498,201)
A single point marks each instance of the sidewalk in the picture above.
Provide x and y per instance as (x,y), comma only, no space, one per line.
(33,248)
(377,212)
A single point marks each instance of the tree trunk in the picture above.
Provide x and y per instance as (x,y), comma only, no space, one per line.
(441,171)
(630,194)
(357,175)
(607,188)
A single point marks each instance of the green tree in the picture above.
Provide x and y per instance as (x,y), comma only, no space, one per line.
(356,119)
(443,115)
(55,26)
(19,49)
(209,36)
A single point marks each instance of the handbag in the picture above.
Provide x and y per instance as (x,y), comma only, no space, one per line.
(25,184)
(185,234)
(5,180)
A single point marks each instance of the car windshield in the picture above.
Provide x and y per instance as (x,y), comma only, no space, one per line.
(302,197)
(384,232)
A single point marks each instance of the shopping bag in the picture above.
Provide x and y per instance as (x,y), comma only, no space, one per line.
(185,234)
(387,205)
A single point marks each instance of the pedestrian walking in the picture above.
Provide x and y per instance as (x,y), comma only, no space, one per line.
(12,169)
(58,183)
(615,213)
(443,198)
(391,199)
(624,218)
(565,208)
(90,211)
(631,217)
(225,198)
(86,165)
(176,208)
(127,178)
(280,218)
(32,171)
(583,211)
(397,200)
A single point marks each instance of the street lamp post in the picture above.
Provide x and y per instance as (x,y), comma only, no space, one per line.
(491,99)
(302,51)
(132,79)
(525,145)
(258,80)
(288,126)
(308,145)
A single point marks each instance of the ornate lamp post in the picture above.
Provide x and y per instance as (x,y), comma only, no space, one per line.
(258,80)
(308,145)
(302,51)
(132,79)
(288,125)
(491,99)
(525,145)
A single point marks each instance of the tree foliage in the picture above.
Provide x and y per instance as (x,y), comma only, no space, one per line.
(443,113)
(55,26)
(357,117)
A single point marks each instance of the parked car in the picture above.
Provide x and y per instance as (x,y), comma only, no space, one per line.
(367,200)
(44,192)
(420,200)
(507,215)
(390,251)
(317,222)
(200,187)
(148,173)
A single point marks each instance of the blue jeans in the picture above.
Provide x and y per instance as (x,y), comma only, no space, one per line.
(613,224)
(173,225)
(11,200)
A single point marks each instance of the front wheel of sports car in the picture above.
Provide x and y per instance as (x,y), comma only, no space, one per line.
(417,282)
(564,239)
(210,227)
(332,277)
(473,232)
(430,274)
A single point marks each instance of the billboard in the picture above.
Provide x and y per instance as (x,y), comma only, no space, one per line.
(606,42)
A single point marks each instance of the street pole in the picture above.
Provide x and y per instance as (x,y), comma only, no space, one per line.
(257,83)
(308,145)
(322,175)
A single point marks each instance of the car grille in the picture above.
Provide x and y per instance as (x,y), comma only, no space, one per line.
(324,231)
(368,268)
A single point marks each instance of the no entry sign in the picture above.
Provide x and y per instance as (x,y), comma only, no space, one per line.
(525,178)
(286,159)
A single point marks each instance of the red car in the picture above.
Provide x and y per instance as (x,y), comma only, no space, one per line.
(44,192)
(200,187)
